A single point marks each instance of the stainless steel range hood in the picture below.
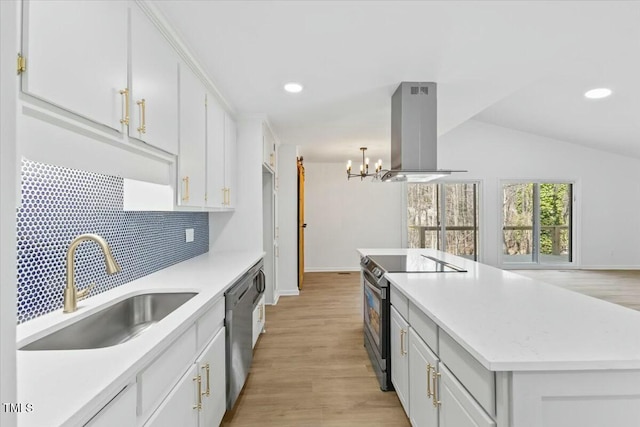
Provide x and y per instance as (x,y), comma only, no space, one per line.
(414,134)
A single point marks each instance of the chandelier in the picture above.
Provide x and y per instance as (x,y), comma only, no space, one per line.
(364,168)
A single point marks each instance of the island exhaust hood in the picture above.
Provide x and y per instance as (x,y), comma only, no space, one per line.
(414,134)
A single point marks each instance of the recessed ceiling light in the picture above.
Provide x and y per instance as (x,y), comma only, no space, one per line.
(601,92)
(293,87)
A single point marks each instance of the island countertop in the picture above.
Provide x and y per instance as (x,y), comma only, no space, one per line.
(509,322)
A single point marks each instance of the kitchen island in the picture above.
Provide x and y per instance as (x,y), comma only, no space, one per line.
(521,352)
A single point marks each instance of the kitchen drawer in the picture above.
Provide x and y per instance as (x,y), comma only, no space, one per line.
(478,380)
(164,372)
(400,302)
(425,327)
(210,323)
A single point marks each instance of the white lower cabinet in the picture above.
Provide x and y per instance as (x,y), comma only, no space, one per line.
(258,320)
(400,357)
(432,396)
(179,408)
(120,411)
(212,371)
(457,407)
(423,366)
(199,397)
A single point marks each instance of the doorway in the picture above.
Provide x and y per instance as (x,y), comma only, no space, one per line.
(301,224)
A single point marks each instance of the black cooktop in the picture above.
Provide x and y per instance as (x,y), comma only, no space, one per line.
(414,264)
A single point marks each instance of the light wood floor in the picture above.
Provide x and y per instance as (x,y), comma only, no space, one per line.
(311,368)
(616,286)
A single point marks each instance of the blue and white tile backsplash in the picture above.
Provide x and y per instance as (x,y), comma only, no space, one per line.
(59,204)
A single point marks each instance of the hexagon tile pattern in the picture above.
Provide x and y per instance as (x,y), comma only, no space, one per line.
(59,204)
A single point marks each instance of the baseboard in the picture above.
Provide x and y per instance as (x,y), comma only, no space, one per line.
(329,269)
(289,293)
(610,267)
(276,297)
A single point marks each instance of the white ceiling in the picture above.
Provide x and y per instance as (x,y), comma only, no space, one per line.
(523,65)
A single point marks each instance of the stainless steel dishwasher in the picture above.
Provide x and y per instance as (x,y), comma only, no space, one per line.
(240,301)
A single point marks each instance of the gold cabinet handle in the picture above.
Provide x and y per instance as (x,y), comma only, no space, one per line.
(185,194)
(402,333)
(261,312)
(428,379)
(143,121)
(435,376)
(208,371)
(125,119)
(198,380)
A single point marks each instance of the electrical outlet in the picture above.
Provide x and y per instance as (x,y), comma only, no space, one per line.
(188,235)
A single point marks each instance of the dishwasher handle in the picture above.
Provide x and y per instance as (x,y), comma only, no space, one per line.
(261,282)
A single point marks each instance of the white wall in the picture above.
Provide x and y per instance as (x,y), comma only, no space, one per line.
(345,215)
(287,220)
(607,188)
(8,160)
(242,229)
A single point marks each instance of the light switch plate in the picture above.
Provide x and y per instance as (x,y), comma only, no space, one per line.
(188,235)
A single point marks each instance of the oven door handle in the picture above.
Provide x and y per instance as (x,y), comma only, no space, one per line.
(378,291)
(368,277)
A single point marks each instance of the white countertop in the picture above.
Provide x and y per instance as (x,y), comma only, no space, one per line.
(509,322)
(67,387)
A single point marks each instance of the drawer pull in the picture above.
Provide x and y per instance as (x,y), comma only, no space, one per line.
(185,195)
(436,377)
(143,121)
(198,380)
(125,119)
(208,370)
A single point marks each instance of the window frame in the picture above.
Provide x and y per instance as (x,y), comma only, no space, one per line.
(536,263)
(441,197)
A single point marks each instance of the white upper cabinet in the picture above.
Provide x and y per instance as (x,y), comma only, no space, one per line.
(268,147)
(76,57)
(154,86)
(230,160)
(216,190)
(191,158)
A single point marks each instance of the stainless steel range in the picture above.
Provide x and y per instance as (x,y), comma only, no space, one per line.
(377,305)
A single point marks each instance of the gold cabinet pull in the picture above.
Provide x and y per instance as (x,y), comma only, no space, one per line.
(143,121)
(428,379)
(198,380)
(435,376)
(402,334)
(228,196)
(185,194)
(208,371)
(125,119)
(261,312)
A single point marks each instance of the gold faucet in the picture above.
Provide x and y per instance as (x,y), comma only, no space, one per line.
(71,293)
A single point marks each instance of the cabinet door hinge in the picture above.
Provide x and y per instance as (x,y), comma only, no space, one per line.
(22,64)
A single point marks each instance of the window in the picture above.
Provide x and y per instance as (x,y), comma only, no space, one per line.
(444,216)
(537,222)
